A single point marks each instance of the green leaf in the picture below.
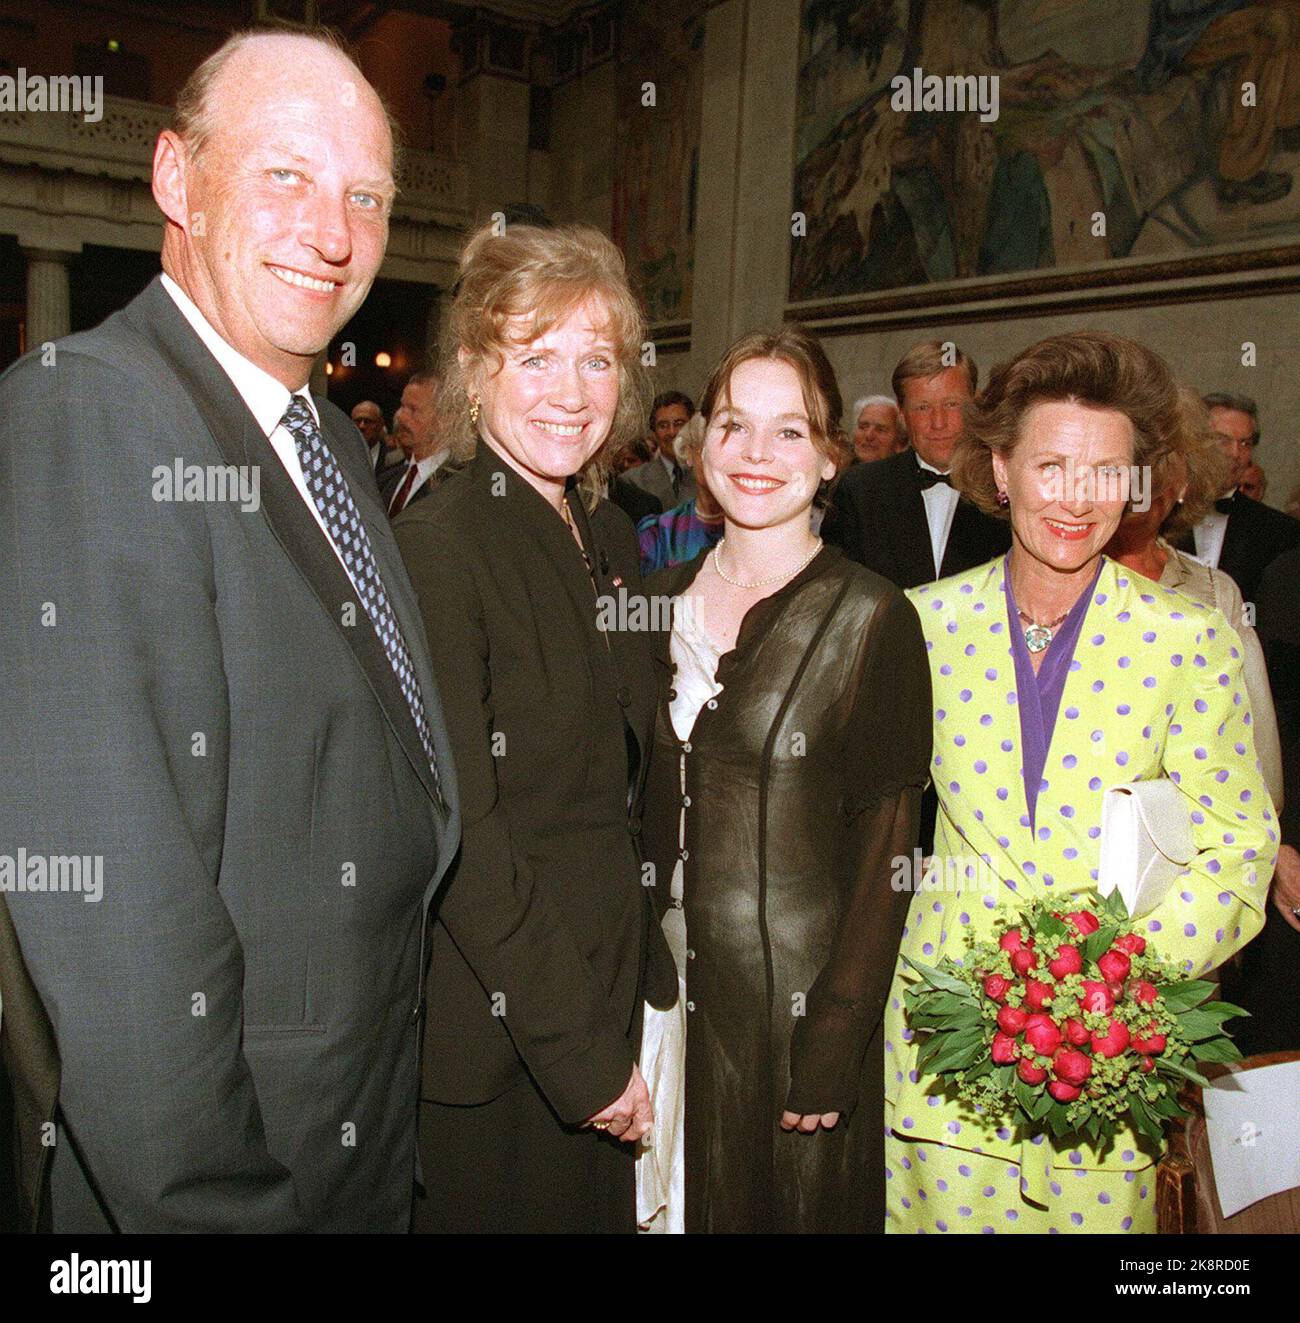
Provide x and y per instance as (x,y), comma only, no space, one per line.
(1186,994)
(1225,1010)
(1196,1024)
(1167,1107)
(1049,925)
(1027,1097)
(1058,1121)
(1171,1066)
(1217,1050)
(984,1066)
(1044,1104)
(1113,907)
(1006,1077)
(937,978)
(1147,1122)
(1098,944)
(956,1051)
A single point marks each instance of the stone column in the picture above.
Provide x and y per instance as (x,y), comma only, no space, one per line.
(48,315)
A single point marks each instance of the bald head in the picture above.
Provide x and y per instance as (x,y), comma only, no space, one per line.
(369,419)
(277,194)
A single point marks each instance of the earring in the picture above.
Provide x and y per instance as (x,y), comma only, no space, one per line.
(1003,498)
(473,411)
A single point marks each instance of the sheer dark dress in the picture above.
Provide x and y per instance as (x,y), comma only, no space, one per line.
(803,785)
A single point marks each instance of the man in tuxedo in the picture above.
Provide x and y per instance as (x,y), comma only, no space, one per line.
(369,418)
(901,516)
(417,429)
(220,703)
(663,477)
(1240,536)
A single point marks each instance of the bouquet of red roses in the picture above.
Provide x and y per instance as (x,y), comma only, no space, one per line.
(1070,1020)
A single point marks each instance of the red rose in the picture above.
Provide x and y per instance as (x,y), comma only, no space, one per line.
(1023,961)
(1114,966)
(1004,1050)
(1062,1091)
(996,987)
(1030,1073)
(1097,998)
(1068,961)
(1076,1032)
(1042,1034)
(1130,944)
(1112,1042)
(1037,994)
(1012,941)
(1149,1044)
(1146,1065)
(1084,922)
(1142,992)
(1011,1020)
(1072,1067)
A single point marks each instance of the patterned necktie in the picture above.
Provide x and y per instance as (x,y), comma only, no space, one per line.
(329,489)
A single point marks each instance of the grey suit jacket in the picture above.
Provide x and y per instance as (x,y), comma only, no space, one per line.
(199,705)
(652,477)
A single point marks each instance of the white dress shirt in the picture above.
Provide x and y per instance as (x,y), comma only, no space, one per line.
(266,398)
(424,470)
(940,506)
(1208,536)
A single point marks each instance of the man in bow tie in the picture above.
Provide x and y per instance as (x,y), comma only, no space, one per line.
(900,516)
(1240,536)
(227,707)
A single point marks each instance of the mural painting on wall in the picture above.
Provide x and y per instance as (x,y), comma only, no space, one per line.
(1093,131)
(656,154)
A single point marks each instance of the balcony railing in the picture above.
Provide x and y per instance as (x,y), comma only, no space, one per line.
(120,145)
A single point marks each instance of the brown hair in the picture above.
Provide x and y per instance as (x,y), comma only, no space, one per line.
(929,358)
(543,274)
(1094,368)
(194,118)
(795,345)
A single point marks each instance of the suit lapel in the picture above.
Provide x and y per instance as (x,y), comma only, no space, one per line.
(911,525)
(240,441)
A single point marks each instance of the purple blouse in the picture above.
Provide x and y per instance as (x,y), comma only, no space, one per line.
(1039,696)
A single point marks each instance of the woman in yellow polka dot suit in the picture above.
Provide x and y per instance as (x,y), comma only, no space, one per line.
(1057,673)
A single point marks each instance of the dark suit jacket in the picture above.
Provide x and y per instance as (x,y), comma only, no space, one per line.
(545,941)
(877,518)
(195,695)
(1255,537)
(391,478)
(634,501)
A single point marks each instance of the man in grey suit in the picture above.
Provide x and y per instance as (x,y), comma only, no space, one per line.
(219,703)
(669,482)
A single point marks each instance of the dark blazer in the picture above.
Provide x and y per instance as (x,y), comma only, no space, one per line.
(634,501)
(877,518)
(195,696)
(544,940)
(653,478)
(1255,537)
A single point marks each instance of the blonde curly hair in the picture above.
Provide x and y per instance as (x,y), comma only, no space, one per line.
(541,274)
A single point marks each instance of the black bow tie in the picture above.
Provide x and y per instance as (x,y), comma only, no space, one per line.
(929,478)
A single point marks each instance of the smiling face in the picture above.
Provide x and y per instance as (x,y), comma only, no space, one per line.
(877,435)
(669,419)
(279,224)
(549,406)
(933,409)
(759,461)
(1065,481)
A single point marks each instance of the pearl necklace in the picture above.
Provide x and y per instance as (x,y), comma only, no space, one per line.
(762,583)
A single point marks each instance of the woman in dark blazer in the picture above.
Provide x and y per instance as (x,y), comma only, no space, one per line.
(543,942)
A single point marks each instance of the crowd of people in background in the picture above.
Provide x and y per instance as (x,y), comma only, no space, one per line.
(409,850)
